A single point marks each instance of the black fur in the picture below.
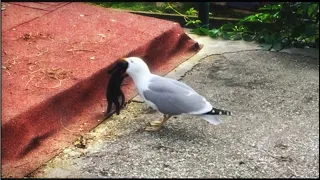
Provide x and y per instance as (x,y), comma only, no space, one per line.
(114,93)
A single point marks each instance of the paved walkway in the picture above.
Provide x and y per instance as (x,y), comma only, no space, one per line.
(274,130)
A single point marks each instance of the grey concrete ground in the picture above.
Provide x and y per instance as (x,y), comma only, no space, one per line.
(274,130)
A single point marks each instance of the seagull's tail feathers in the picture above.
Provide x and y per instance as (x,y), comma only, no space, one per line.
(211,116)
(211,119)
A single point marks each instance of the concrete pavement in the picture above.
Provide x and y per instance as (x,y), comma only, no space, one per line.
(273,133)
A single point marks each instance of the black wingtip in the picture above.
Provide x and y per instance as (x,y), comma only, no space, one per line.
(215,111)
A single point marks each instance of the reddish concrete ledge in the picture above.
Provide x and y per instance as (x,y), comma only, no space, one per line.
(55,74)
(22,12)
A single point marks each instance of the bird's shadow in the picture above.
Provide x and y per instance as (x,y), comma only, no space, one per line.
(35,142)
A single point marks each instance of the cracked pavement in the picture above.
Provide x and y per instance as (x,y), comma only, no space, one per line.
(273,133)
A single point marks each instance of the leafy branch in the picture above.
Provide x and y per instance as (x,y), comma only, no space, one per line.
(278,26)
(186,16)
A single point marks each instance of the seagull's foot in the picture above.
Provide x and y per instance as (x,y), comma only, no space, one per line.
(153,128)
(155,123)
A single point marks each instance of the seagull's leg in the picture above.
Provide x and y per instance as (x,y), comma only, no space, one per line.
(157,122)
(157,125)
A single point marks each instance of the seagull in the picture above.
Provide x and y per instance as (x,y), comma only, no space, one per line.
(168,96)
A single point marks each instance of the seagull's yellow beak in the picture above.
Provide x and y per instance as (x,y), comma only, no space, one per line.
(123,59)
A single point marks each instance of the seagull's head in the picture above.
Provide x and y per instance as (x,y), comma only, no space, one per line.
(135,66)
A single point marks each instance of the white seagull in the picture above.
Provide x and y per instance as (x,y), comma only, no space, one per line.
(168,96)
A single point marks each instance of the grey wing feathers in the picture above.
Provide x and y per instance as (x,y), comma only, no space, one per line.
(158,78)
(174,98)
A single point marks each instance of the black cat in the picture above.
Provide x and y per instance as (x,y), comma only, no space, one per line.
(114,93)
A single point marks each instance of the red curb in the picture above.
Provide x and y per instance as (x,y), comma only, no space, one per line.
(79,42)
(18,13)
(40,5)
(16,17)
(33,5)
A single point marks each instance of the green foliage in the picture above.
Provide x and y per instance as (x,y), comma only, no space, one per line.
(191,11)
(135,6)
(158,7)
(187,17)
(275,26)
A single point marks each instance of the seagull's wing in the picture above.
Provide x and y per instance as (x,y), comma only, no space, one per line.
(174,97)
(178,83)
